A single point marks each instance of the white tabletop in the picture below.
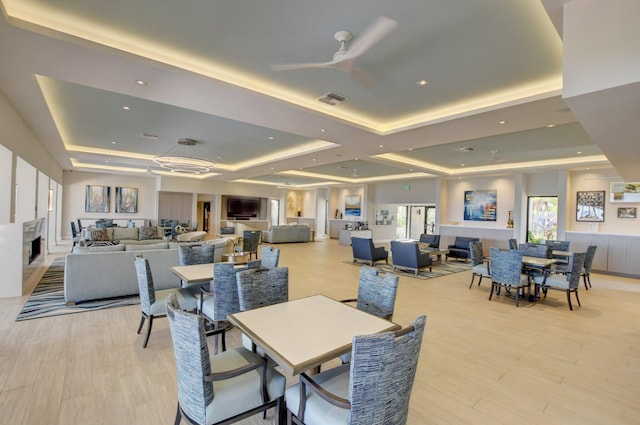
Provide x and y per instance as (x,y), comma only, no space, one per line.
(194,273)
(538,261)
(302,334)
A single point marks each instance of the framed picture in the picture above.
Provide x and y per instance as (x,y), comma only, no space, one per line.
(625,192)
(627,212)
(480,205)
(590,206)
(383,217)
(97,199)
(352,207)
(126,200)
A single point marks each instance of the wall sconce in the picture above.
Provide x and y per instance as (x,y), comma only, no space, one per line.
(50,207)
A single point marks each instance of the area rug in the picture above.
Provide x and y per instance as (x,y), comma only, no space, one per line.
(47,298)
(437,270)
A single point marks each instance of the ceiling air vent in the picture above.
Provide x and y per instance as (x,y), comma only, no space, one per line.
(332,99)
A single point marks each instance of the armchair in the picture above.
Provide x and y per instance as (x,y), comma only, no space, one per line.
(432,240)
(373,389)
(363,249)
(460,248)
(407,255)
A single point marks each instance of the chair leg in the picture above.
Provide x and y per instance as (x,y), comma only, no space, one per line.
(569,300)
(584,279)
(517,297)
(178,416)
(589,279)
(578,298)
(473,276)
(479,280)
(493,286)
(146,337)
(141,324)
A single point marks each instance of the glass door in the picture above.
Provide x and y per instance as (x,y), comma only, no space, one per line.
(401,221)
(542,218)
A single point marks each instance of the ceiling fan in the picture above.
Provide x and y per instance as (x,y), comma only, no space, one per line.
(343,59)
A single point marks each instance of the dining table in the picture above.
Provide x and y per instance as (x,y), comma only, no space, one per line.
(196,273)
(302,334)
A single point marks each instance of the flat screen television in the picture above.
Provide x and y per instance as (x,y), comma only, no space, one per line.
(243,207)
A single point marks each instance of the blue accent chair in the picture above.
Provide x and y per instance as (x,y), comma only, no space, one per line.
(407,255)
(363,249)
(432,240)
(460,248)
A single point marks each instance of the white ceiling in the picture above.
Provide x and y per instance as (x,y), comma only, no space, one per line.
(494,72)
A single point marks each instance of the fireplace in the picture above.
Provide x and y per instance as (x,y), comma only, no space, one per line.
(35,249)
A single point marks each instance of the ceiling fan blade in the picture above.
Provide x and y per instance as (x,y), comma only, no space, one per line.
(289,66)
(377,30)
(361,76)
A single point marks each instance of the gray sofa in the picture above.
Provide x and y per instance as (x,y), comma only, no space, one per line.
(109,271)
(287,234)
(125,235)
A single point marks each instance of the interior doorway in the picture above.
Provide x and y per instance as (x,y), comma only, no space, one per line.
(414,220)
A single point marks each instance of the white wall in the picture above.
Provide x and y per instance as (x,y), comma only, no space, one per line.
(505,188)
(26,186)
(75,183)
(6,183)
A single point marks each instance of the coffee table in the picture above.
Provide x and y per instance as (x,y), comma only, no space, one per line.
(236,257)
(437,252)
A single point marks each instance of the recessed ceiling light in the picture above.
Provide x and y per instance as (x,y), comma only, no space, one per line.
(270,137)
(551,125)
(382,146)
(271,168)
(113,143)
(422,82)
(149,136)
(141,82)
(462,165)
(465,149)
(410,149)
(355,159)
(323,130)
(126,108)
(502,122)
(218,157)
(579,152)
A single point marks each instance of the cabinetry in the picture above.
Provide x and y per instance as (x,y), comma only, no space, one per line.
(615,253)
(345,235)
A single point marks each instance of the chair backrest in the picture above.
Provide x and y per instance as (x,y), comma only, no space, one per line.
(377,292)
(262,287)
(269,256)
(513,244)
(432,240)
(131,223)
(198,254)
(79,225)
(476,252)
(74,232)
(192,360)
(383,369)
(588,258)
(362,247)
(574,269)
(558,245)
(536,250)
(145,284)
(506,266)
(250,240)
(225,290)
(174,232)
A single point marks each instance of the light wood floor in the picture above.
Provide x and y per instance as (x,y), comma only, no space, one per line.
(482,362)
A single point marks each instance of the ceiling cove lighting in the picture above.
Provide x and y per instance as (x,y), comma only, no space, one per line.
(184,158)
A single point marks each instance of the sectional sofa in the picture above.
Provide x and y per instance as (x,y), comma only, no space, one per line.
(108,271)
(123,235)
(287,234)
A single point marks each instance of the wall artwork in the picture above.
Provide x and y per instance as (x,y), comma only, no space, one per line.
(383,217)
(126,200)
(627,212)
(352,206)
(480,205)
(625,192)
(97,199)
(590,206)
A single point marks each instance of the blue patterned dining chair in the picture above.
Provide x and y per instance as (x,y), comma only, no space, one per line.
(568,281)
(223,388)
(479,265)
(588,262)
(269,256)
(196,254)
(250,242)
(376,295)
(373,389)
(152,302)
(506,271)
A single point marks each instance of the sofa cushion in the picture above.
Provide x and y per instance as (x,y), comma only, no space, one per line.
(87,249)
(145,233)
(139,247)
(120,233)
(97,235)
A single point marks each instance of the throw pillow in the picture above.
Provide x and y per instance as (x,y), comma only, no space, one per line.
(98,235)
(146,233)
(101,243)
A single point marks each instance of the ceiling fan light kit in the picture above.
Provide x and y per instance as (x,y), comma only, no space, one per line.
(184,158)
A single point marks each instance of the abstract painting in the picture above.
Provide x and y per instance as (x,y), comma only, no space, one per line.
(352,206)
(126,200)
(480,205)
(97,199)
